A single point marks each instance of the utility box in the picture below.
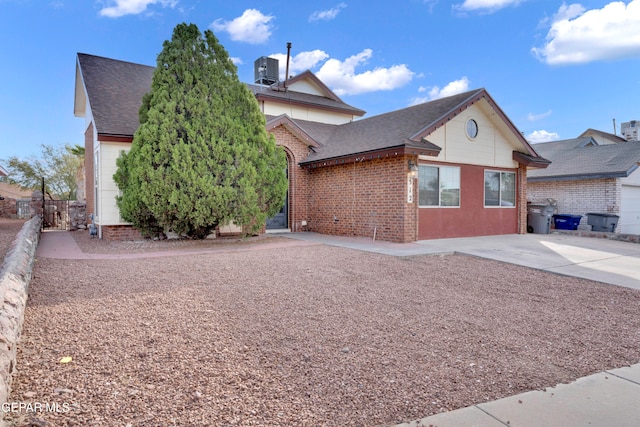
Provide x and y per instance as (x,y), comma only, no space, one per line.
(602,222)
(266,70)
(539,218)
(566,222)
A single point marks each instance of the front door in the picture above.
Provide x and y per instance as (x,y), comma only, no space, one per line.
(280,220)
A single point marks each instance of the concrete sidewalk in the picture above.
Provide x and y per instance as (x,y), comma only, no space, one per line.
(610,398)
(602,260)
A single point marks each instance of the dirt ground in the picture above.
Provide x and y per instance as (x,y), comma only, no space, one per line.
(304,336)
(9,229)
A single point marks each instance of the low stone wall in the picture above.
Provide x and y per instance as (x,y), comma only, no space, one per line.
(77,215)
(15,277)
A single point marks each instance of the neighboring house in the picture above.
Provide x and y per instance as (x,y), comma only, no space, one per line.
(10,199)
(588,177)
(452,167)
(602,138)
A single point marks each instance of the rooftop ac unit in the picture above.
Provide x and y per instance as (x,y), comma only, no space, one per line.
(266,70)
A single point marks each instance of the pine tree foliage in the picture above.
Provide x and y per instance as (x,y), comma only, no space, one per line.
(201,156)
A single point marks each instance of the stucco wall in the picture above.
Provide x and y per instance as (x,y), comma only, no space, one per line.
(490,148)
(471,218)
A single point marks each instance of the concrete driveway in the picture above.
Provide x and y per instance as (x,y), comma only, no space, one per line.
(603,260)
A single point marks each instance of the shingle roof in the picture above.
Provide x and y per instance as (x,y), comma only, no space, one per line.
(579,158)
(115,90)
(289,96)
(606,135)
(394,129)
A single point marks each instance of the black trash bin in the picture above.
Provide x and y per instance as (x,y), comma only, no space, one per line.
(602,222)
(539,218)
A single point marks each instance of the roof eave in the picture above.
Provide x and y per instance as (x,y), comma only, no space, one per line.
(284,120)
(577,177)
(400,150)
(530,161)
(109,137)
(80,93)
(351,110)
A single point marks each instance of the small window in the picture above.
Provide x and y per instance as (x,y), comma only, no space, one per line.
(439,186)
(472,128)
(499,189)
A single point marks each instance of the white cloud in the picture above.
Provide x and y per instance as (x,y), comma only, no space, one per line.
(327,15)
(578,36)
(342,78)
(452,88)
(533,117)
(542,136)
(236,60)
(252,27)
(300,62)
(486,5)
(132,7)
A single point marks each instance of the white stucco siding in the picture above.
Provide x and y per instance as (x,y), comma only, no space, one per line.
(304,113)
(304,86)
(108,212)
(489,148)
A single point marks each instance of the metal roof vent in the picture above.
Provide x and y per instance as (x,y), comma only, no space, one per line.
(266,70)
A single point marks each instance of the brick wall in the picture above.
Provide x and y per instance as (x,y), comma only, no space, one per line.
(120,232)
(522,199)
(580,197)
(360,198)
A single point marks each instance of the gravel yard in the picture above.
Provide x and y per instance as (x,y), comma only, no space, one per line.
(312,335)
(9,229)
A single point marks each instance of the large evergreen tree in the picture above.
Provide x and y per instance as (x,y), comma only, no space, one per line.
(201,156)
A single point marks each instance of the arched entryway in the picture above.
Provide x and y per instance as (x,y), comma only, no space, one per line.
(280,221)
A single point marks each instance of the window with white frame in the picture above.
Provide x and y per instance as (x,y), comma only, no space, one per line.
(439,186)
(499,188)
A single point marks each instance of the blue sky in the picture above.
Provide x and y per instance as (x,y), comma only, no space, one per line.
(555,68)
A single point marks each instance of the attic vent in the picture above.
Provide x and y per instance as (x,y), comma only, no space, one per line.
(266,70)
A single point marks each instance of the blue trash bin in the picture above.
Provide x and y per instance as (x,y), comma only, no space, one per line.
(566,221)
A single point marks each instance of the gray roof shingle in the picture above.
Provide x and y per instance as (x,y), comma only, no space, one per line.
(579,158)
(303,98)
(115,90)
